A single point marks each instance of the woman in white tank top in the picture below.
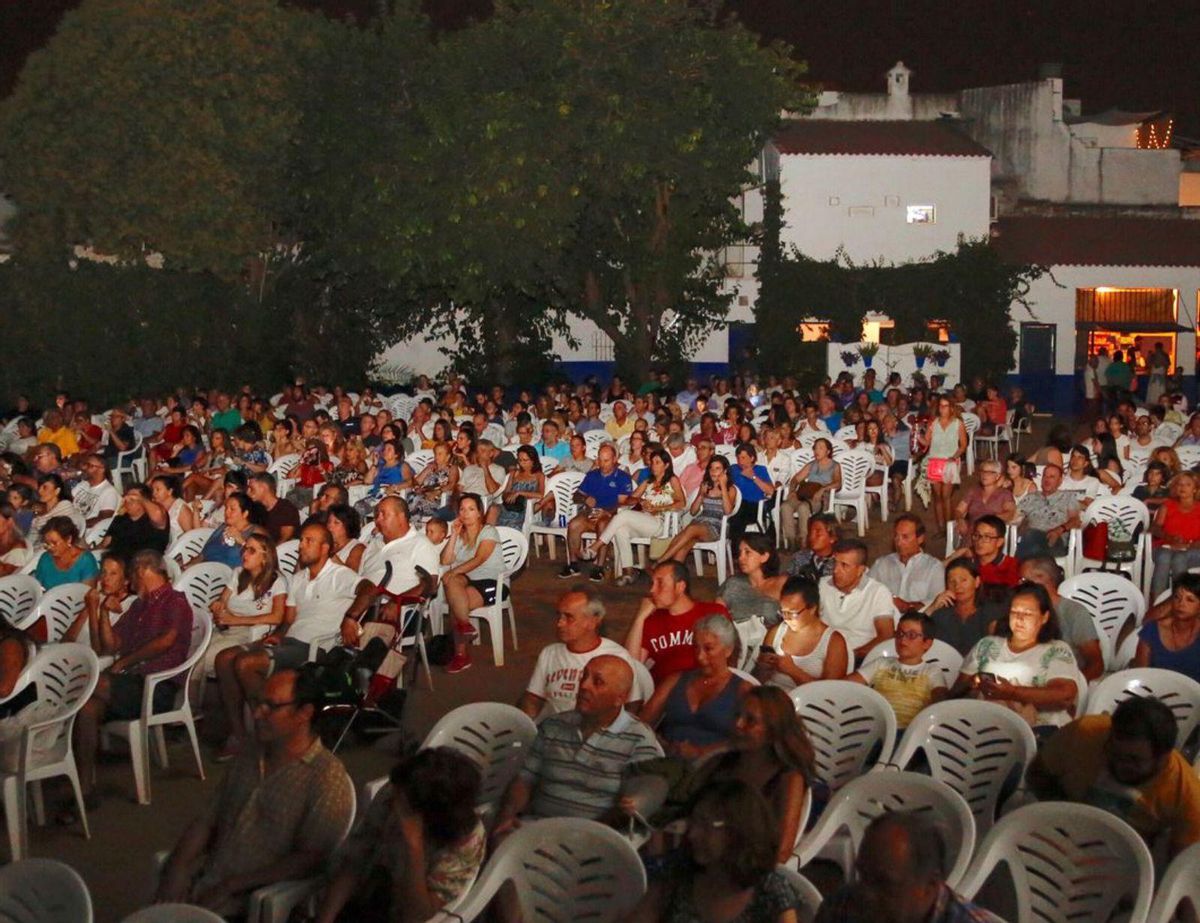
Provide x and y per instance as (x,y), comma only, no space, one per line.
(802,648)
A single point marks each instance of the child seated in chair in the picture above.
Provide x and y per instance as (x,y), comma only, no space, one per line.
(907,681)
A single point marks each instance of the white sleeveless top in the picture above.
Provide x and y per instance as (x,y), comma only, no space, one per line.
(173,512)
(812,663)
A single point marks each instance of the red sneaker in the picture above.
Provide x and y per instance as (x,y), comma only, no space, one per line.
(459,663)
(468,631)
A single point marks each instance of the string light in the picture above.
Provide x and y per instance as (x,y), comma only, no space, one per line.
(1148,137)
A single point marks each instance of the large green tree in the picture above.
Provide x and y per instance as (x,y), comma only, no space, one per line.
(159,125)
(559,159)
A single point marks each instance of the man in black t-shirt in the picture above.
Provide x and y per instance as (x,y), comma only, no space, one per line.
(283,519)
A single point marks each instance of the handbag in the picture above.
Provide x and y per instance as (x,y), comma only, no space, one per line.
(936,470)
(1095,541)
(1122,544)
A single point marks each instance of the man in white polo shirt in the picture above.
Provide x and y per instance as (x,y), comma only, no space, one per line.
(857,605)
(555,679)
(319,593)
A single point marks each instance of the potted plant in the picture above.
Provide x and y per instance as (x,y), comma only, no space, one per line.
(849,357)
(941,357)
(921,352)
(868,351)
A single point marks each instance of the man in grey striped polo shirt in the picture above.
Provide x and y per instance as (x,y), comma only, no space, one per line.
(578,761)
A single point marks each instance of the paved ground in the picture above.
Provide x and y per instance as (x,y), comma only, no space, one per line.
(116,862)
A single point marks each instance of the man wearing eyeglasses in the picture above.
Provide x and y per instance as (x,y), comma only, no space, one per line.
(997,570)
(278,814)
(94,496)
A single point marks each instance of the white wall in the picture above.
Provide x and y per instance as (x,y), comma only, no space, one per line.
(859,203)
(1055,303)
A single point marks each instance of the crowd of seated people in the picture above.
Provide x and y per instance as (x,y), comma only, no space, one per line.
(375,527)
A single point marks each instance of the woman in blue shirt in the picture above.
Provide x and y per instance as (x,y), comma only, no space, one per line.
(753,482)
(224,546)
(64,561)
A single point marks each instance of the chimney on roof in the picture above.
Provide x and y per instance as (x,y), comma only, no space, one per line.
(897,80)
(1050,70)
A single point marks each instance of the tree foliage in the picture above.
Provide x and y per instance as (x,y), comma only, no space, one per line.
(972,289)
(158,125)
(568,158)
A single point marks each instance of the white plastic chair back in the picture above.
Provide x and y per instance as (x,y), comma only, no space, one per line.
(203,584)
(856,467)
(549,464)
(564,870)
(60,607)
(847,434)
(188,545)
(593,440)
(720,548)
(1068,861)
(845,723)
(514,548)
(751,634)
(852,809)
(728,452)
(173,913)
(561,487)
(939,652)
(495,736)
(283,464)
(1179,693)
(1189,455)
(1167,433)
(43,891)
(95,534)
(1131,513)
(288,554)
(19,596)
(419,460)
(1111,599)
(1180,882)
(972,747)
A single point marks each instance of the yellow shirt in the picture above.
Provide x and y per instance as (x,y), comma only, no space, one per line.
(617,430)
(1168,803)
(63,438)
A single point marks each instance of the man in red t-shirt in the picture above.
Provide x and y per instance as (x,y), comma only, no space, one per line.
(661,633)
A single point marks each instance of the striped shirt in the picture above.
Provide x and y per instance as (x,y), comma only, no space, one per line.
(573,777)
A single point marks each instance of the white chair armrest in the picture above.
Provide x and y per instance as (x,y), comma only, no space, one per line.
(316,645)
(275,903)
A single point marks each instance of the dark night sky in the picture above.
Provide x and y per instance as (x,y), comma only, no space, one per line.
(1129,54)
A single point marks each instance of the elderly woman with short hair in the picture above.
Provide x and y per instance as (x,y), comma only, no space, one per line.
(696,711)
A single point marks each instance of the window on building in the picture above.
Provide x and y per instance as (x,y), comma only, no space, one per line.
(1107,305)
(939,330)
(814,331)
(921,214)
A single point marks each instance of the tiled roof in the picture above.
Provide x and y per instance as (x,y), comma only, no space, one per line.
(879,138)
(1100,241)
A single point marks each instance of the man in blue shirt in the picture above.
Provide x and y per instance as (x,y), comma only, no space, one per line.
(603,490)
(551,446)
(830,415)
(592,421)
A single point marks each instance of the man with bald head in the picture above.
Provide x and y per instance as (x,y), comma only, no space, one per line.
(901,877)
(579,759)
(555,679)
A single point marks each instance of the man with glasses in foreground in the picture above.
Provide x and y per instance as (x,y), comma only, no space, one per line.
(907,681)
(278,814)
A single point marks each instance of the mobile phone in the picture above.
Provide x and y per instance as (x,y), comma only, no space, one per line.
(990,677)
(767,649)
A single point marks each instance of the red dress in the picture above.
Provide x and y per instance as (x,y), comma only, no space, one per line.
(1178,525)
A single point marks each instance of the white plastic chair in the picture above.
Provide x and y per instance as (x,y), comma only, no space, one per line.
(856,466)
(564,869)
(1188,455)
(514,548)
(1111,600)
(939,652)
(65,676)
(494,736)
(562,488)
(668,528)
(751,634)
(720,549)
(971,424)
(1132,513)
(1167,433)
(810,897)
(173,913)
(137,732)
(845,722)
(132,462)
(288,554)
(1180,882)
(1179,693)
(1021,427)
(1002,433)
(972,747)
(19,596)
(1067,861)
(593,440)
(60,607)
(188,546)
(43,891)
(419,460)
(852,809)
(203,584)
